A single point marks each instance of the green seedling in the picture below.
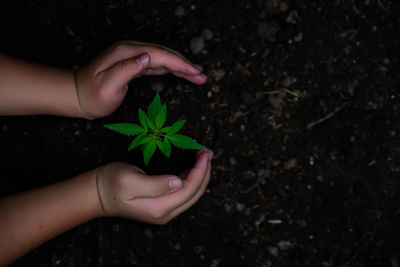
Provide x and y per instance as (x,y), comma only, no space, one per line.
(151,132)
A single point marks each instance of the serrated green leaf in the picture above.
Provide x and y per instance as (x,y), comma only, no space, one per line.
(150,123)
(167,147)
(129,129)
(176,127)
(154,107)
(161,116)
(146,139)
(137,141)
(148,150)
(183,141)
(160,145)
(142,119)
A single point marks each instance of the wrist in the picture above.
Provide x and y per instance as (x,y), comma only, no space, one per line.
(78,93)
(100,211)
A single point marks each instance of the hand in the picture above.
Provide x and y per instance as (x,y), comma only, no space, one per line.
(126,191)
(102,84)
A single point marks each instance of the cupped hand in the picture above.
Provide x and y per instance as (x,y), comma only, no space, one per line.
(126,191)
(102,84)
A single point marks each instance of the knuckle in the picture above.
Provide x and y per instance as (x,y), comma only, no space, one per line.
(124,66)
(121,44)
(158,214)
(162,221)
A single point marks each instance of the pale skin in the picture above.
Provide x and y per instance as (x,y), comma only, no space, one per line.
(118,189)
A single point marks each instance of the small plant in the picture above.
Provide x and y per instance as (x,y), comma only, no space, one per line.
(151,134)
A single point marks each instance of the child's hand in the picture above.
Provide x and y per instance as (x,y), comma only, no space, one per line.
(102,84)
(126,191)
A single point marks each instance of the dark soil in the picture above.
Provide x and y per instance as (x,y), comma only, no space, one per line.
(301,109)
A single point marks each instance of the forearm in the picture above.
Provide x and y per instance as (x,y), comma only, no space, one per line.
(27,88)
(33,217)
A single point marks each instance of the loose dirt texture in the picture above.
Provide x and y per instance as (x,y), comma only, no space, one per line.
(301,109)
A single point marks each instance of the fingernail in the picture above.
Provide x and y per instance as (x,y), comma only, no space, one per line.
(210,155)
(200,77)
(174,184)
(195,69)
(143,59)
(200,68)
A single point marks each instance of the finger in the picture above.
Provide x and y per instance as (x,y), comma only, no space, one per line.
(163,48)
(158,71)
(195,198)
(161,57)
(197,79)
(122,72)
(143,186)
(172,61)
(190,187)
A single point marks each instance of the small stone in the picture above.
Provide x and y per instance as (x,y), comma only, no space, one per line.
(298,37)
(301,223)
(288,80)
(284,245)
(207,34)
(275,221)
(394,262)
(179,12)
(293,17)
(383,69)
(197,44)
(273,251)
(198,249)
(88,126)
(283,7)
(268,30)
(239,207)
(290,164)
(247,212)
(157,87)
(69,31)
(277,100)
(261,219)
(214,263)
(218,74)
(215,88)
(250,174)
(386,61)
(177,246)
(148,232)
(232,161)
(347,50)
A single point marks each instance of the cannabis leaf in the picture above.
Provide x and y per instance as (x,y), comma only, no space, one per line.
(151,133)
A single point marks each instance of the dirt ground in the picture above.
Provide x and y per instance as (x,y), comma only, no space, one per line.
(301,108)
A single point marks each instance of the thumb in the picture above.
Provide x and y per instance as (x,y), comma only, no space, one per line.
(122,72)
(155,186)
